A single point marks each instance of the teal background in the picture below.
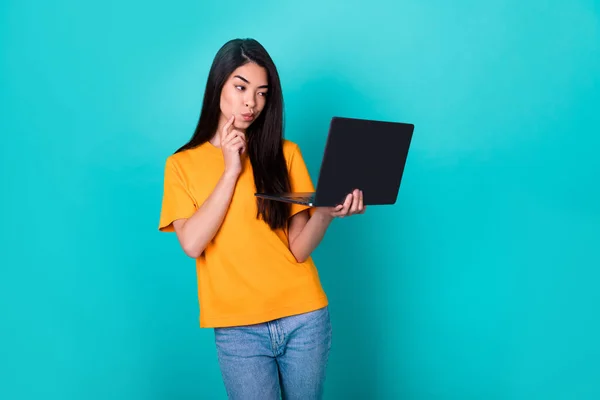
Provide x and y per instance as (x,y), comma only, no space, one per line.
(480,283)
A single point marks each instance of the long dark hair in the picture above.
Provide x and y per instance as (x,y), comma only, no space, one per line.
(264,136)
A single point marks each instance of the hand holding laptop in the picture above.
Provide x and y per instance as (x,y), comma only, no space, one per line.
(352,205)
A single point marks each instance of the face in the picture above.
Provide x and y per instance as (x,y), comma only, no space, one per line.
(244,95)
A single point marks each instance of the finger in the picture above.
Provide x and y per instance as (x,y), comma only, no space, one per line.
(226,127)
(355,201)
(233,134)
(235,144)
(347,204)
(338,214)
(240,149)
(337,209)
(361,204)
(243,147)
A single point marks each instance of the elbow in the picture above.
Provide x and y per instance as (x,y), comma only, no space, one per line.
(190,247)
(193,254)
(300,258)
(192,250)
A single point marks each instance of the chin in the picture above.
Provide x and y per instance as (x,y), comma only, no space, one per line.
(242,124)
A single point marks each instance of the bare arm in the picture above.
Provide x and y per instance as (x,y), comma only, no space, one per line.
(306,232)
(196,232)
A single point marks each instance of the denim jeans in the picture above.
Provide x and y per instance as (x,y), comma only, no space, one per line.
(286,357)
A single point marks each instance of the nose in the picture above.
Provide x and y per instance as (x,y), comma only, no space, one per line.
(250,101)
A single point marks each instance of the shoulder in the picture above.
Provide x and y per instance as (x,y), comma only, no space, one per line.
(187,159)
(289,146)
(290,149)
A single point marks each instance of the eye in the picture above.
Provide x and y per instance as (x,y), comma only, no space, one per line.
(240,87)
(263,94)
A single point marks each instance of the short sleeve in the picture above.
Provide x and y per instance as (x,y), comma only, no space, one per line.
(300,180)
(177,202)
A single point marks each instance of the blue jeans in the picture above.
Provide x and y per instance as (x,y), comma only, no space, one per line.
(287,357)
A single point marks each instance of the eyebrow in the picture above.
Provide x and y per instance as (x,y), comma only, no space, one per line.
(246,80)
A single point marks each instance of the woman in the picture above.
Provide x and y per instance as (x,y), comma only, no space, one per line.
(257,284)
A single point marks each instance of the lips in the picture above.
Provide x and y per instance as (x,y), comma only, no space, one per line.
(248,117)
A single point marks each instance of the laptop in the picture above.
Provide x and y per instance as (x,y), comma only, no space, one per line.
(362,154)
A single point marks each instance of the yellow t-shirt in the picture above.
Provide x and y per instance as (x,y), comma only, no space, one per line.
(247,273)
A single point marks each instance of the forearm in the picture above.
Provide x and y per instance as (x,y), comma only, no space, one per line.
(203,225)
(311,235)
